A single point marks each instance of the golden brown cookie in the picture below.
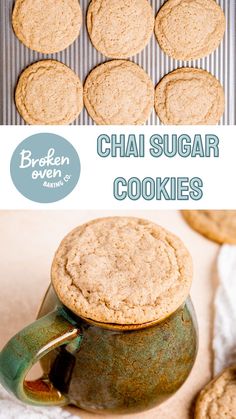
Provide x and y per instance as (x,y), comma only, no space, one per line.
(218,399)
(122,270)
(119,92)
(49,93)
(189,29)
(189,96)
(47,26)
(120,28)
(216,225)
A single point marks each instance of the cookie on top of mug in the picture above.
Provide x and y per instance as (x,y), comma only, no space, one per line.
(122,270)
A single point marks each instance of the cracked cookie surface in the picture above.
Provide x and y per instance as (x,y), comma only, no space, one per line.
(47,26)
(120,28)
(119,92)
(122,270)
(189,96)
(49,93)
(218,399)
(189,29)
(216,225)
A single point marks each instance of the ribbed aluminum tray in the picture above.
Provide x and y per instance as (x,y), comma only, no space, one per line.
(82,57)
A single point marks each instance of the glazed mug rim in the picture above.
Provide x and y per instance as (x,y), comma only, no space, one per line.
(110,326)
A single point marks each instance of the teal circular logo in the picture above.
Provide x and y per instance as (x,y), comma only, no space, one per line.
(45,168)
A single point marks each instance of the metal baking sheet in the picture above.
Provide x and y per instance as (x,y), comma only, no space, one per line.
(82,57)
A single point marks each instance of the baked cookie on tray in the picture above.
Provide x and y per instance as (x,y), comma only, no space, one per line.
(216,225)
(120,28)
(218,399)
(49,93)
(119,92)
(189,29)
(47,26)
(189,96)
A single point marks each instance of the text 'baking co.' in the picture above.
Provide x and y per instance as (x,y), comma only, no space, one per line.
(45,168)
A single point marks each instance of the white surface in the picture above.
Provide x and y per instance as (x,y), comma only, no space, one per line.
(224,343)
(11,408)
(95,187)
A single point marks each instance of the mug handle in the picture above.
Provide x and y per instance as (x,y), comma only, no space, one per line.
(28,347)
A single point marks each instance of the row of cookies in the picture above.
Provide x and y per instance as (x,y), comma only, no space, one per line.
(117,92)
(185,29)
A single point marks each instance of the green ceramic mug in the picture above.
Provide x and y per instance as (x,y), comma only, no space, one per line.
(100,367)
